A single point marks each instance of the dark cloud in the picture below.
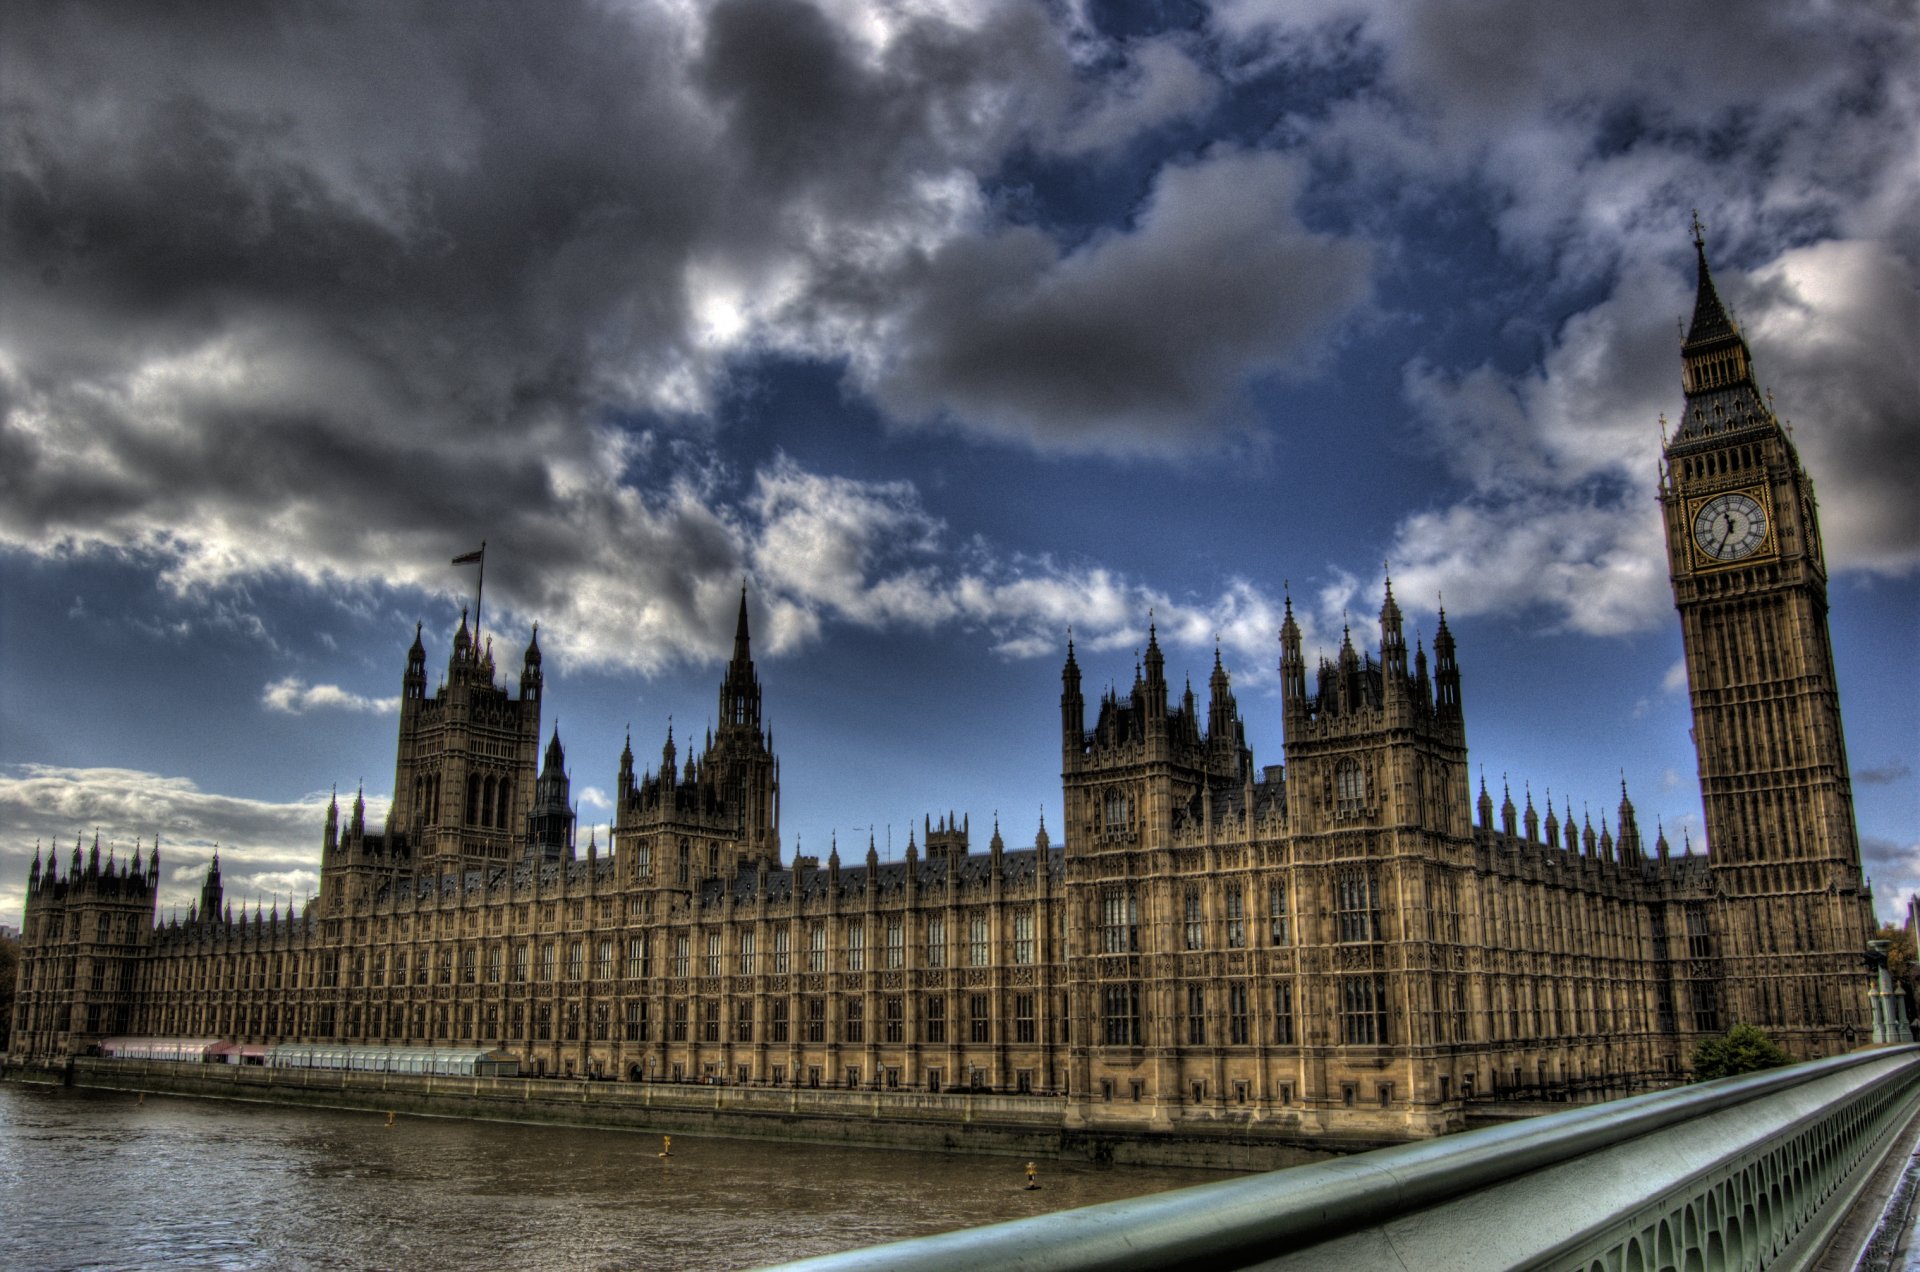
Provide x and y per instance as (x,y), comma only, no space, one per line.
(1143,337)
(330,291)
(1883,774)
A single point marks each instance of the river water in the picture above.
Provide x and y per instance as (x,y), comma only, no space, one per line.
(101,1180)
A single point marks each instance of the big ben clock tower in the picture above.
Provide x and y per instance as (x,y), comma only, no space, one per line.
(1750,582)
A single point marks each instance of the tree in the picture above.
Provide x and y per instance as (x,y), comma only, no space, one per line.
(1742,1049)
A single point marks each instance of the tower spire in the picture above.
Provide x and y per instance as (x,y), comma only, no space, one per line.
(1717,368)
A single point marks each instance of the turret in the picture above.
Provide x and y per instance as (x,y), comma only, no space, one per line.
(1293,667)
(740,689)
(531,679)
(1393,640)
(1155,684)
(1222,711)
(1446,672)
(1532,819)
(1507,824)
(1073,707)
(413,685)
(211,891)
(1485,805)
(1630,849)
(550,822)
(462,648)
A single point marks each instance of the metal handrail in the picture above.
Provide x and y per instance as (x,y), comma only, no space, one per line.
(1241,1221)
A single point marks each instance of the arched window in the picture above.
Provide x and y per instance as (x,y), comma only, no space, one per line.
(502,805)
(486,803)
(1349,786)
(1117,809)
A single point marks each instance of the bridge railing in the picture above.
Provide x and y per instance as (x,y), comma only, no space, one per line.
(1746,1172)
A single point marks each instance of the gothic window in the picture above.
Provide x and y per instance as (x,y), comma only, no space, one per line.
(855,1025)
(896,944)
(1196,1016)
(547,959)
(780,951)
(678,1022)
(936,941)
(487,789)
(1118,809)
(778,1021)
(446,966)
(746,953)
(743,1020)
(977,940)
(856,946)
(503,805)
(643,858)
(1237,1014)
(636,1021)
(1120,1017)
(599,1022)
(1196,923)
(1023,1028)
(493,965)
(473,800)
(1363,1010)
(519,965)
(896,1018)
(1023,937)
(1356,904)
(469,964)
(816,1020)
(936,1019)
(1349,786)
(1236,917)
(1699,935)
(979,1024)
(603,959)
(710,1022)
(682,958)
(686,861)
(816,948)
(1119,921)
(716,961)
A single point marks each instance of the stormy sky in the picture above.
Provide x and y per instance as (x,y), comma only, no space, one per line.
(945,328)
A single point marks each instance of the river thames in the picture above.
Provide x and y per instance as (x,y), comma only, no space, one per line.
(93,1179)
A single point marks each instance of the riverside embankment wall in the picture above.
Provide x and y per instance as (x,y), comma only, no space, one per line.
(972,1122)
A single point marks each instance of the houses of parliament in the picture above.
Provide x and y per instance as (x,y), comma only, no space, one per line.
(1356,940)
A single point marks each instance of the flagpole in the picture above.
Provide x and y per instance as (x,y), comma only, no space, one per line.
(479,591)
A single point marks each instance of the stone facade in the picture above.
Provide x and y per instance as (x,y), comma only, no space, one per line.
(1353,943)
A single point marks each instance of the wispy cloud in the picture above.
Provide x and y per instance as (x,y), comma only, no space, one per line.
(294,696)
(265,847)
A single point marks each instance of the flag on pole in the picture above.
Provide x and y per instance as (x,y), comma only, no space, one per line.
(468,558)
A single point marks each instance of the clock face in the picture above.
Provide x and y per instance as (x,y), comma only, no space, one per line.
(1731,526)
